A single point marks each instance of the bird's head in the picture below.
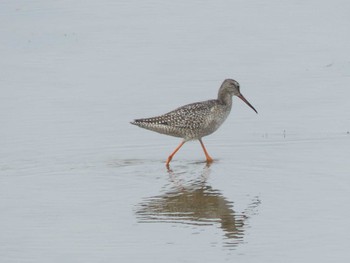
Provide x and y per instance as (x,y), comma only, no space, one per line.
(230,88)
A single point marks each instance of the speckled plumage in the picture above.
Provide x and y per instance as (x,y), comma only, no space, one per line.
(192,121)
(195,120)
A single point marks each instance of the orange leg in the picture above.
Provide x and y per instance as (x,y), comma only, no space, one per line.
(173,153)
(209,159)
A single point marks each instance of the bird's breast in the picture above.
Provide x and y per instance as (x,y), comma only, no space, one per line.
(219,115)
(213,120)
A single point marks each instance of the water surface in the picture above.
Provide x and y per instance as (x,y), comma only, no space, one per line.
(79,183)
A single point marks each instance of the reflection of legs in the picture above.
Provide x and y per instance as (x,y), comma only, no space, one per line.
(173,153)
(209,159)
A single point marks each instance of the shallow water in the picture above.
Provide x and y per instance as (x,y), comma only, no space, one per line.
(79,183)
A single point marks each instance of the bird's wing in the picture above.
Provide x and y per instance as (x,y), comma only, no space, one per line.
(191,116)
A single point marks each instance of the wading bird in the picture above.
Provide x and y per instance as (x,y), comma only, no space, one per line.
(195,120)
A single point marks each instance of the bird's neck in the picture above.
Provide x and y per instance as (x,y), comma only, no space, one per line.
(225,98)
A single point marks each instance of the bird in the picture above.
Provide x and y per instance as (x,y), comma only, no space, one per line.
(196,120)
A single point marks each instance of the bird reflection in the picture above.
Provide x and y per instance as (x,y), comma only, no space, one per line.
(197,204)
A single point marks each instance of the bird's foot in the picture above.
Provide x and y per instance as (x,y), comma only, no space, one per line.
(167,164)
(209,159)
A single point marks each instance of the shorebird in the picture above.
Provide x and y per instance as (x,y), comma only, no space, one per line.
(196,120)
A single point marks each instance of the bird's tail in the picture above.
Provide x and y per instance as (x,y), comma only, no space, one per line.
(149,122)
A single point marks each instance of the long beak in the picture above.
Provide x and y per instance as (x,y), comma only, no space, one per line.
(244,99)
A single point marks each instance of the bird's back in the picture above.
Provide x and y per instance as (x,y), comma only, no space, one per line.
(192,121)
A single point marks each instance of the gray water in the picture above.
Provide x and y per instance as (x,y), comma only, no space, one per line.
(78,183)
